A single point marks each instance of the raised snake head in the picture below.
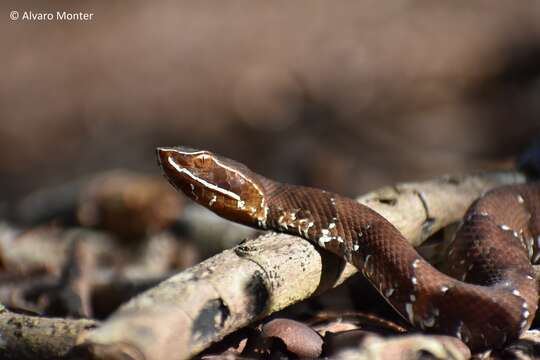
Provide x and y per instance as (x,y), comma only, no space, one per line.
(224,186)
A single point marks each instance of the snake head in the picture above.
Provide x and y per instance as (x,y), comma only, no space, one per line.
(224,186)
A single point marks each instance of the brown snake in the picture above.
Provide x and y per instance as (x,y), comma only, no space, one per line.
(490,296)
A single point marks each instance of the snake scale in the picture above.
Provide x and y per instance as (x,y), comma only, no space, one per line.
(488,298)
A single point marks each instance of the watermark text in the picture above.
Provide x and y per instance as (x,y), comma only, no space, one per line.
(33,16)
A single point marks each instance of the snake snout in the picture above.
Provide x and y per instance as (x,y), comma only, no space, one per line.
(179,167)
(164,156)
(159,155)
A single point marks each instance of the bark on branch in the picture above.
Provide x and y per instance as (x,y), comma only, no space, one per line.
(32,337)
(189,311)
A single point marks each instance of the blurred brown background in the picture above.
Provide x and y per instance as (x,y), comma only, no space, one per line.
(347,96)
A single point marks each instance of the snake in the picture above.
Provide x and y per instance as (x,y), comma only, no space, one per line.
(487,298)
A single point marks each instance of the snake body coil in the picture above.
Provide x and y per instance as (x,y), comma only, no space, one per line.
(490,296)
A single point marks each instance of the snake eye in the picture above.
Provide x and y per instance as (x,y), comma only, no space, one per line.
(202,160)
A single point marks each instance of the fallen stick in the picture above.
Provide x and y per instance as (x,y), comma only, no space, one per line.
(199,306)
(32,337)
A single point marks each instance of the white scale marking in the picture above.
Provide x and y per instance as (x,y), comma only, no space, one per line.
(410,312)
(459,329)
(416,263)
(505,227)
(366,260)
(520,199)
(536,257)
(197,152)
(356,247)
(304,226)
(525,313)
(212,200)
(389,292)
(413,280)
(444,288)
(280,221)
(429,322)
(367,266)
(516,292)
(261,221)
(324,239)
(202,181)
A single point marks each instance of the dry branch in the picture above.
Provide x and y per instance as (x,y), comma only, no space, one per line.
(31,337)
(184,314)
